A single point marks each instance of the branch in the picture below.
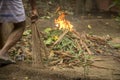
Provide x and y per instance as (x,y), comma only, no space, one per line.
(61,36)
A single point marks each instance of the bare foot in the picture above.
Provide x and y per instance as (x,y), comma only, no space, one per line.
(6,59)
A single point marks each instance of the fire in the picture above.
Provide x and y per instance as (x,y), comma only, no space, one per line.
(62,23)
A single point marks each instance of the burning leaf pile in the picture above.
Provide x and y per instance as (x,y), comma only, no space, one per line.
(68,47)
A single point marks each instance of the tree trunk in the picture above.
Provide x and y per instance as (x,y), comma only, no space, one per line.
(83,6)
(80,7)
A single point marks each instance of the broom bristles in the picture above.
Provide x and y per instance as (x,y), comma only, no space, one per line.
(36,47)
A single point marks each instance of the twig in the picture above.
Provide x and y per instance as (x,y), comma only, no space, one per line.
(60,38)
(78,45)
(76,33)
(84,44)
(81,41)
(63,53)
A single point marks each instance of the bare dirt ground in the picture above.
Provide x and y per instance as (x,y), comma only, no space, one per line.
(105,67)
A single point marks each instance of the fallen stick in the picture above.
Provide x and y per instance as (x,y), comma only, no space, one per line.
(76,33)
(104,67)
(60,38)
(84,44)
(81,41)
(64,53)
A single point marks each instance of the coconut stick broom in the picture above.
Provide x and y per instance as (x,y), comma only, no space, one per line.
(38,47)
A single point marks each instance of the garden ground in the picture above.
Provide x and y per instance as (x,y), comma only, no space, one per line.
(105,67)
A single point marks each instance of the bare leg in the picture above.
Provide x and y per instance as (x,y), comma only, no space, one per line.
(1,38)
(14,37)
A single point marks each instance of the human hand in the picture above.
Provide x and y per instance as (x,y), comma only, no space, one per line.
(34,16)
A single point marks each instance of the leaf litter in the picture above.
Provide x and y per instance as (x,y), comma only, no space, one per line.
(72,50)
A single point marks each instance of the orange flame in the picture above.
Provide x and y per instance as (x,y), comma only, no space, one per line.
(63,24)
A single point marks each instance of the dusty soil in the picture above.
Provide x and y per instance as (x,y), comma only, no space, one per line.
(105,67)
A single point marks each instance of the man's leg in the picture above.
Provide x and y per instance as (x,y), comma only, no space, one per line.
(1,36)
(14,36)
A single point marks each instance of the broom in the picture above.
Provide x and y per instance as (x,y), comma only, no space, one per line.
(38,47)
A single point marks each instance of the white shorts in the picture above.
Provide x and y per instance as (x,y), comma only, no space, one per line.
(11,11)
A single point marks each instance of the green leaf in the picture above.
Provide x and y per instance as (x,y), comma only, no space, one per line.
(47,30)
(48,41)
(116,46)
(27,32)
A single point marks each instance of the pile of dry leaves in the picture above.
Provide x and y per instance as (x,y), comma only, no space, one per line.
(67,48)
